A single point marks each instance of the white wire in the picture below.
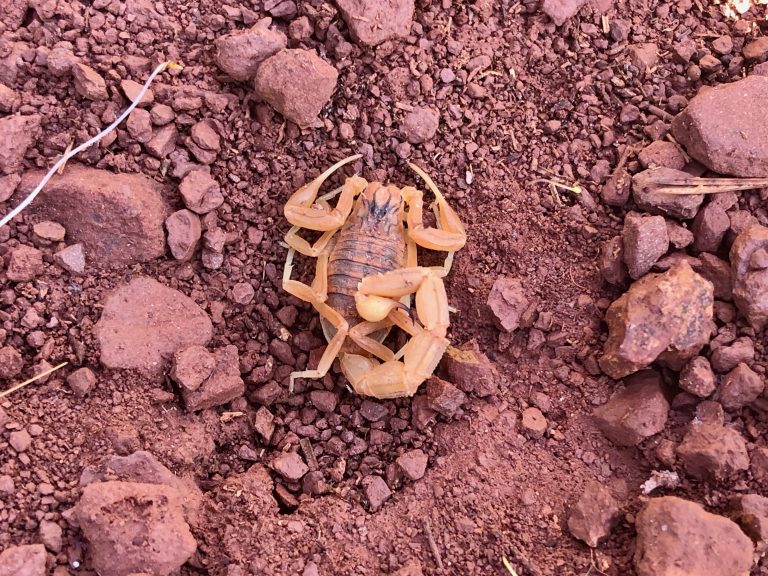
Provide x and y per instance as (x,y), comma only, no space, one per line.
(16,211)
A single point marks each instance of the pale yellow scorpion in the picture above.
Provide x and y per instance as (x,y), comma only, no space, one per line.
(365,275)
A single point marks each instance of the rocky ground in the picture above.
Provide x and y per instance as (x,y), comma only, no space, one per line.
(603,410)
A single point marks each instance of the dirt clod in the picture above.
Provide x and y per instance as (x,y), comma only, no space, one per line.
(376,491)
(594,515)
(412,464)
(533,422)
(750,288)
(443,397)
(712,451)
(741,386)
(82,381)
(240,53)
(637,412)
(222,386)
(508,302)
(645,241)
(290,466)
(89,83)
(201,193)
(71,258)
(133,527)
(697,377)
(24,264)
(470,370)
(372,22)
(19,133)
(29,560)
(144,323)
(420,125)
(184,231)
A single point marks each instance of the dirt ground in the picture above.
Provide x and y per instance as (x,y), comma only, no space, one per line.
(520,99)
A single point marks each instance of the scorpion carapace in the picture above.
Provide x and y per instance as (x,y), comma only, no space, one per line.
(366,271)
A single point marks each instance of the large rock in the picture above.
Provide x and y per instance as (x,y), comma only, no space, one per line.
(117,217)
(726,128)
(23,560)
(371,22)
(17,133)
(749,267)
(665,317)
(710,451)
(676,537)
(681,206)
(144,323)
(133,528)
(240,53)
(635,413)
(13,12)
(296,83)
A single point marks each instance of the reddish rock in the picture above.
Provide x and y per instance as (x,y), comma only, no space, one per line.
(240,53)
(420,125)
(20,440)
(60,61)
(297,83)
(204,134)
(222,386)
(679,236)
(132,527)
(290,466)
(117,217)
(662,154)
(726,358)
(323,400)
(751,512)
(263,423)
(718,272)
(371,22)
(11,362)
(750,274)
(412,464)
(676,537)
(680,206)
(163,141)
(756,50)
(18,134)
(725,130)
(376,491)
(709,228)
(470,370)
(559,11)
(24,264)
(144,323)
(51,231)
(507,302)
(611,261)
(201,193)
(595,514)
(713,452)
(8,185)
(139,125)
(161,114)
(533,423)
(741,386)
(421,414)
(132,89)
(29,560)
(192,365)
(758,465)
(644,56)
(443,397)
(71,258)
(9,99)
(82,381)
(645,241)
(697,377)
(89,83)
(665,317)
(184,231)
(50,535)
(635,413)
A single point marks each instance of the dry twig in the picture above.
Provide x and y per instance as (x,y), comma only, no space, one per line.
(5,393)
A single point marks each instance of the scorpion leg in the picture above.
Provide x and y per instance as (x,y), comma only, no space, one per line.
(316,295)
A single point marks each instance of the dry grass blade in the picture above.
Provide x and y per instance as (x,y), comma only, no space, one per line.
(5,393)
(693,185)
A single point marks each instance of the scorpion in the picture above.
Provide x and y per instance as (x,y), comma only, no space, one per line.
(365,274)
